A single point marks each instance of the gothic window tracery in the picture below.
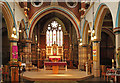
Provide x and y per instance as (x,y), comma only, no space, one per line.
(54,34)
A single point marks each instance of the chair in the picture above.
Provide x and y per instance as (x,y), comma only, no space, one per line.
(103,70)
(112,75)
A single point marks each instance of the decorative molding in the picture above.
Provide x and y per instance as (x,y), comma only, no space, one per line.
(40,3)
(42,12)
(72,4)
(116,30)
(54,2)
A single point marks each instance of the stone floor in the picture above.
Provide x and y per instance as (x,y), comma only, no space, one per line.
(89,80)
(70,76)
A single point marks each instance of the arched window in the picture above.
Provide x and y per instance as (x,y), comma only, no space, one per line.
(54,34)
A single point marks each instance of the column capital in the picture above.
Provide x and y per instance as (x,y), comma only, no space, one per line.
(96,40)
(116,30)
(28,41)
(13,40)
(83,45)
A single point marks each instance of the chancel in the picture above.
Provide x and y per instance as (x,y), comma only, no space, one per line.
(60,40)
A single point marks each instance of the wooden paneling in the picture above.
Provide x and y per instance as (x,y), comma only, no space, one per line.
(42,41)
(66,41)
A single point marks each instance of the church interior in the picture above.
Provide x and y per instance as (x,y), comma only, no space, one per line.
(62,41)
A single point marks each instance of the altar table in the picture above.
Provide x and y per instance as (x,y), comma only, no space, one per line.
(55,65)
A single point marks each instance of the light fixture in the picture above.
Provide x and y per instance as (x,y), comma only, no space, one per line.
(89,31)
(80,40)
(92,38)
(95,37)
(80,44)
(20,31)
(15,36)
(12,35)
(14,29)
(93,31)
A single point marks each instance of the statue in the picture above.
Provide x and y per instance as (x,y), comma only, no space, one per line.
(54,51)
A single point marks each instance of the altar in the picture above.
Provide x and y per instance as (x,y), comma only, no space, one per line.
(55,66)
(54,56)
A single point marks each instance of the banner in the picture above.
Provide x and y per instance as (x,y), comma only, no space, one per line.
(94,53)
(14,53)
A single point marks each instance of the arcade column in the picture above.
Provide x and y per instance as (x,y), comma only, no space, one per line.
(96,58)
(27,52)
(14,64)
(117,37)
(83,56)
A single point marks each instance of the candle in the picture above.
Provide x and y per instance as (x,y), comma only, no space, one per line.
(112,60)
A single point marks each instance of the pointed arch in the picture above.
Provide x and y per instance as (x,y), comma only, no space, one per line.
(118,17)
(42,12)
(9,18)
(85,32)
(98,20)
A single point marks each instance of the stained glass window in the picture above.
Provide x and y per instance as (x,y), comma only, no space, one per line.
(54,34)
(48,38)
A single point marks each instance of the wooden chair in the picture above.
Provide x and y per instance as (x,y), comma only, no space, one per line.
(111,76)
(103,71)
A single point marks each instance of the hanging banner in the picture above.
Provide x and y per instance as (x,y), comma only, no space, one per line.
(94,54)
(15,53)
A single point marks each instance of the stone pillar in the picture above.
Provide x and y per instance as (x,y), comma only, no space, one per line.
(96,58)
(83,56)
(79,64)
(117,37)
(14,63)
(27,51)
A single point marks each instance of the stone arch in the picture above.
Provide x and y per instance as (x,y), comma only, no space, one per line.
(101,11)
(85,33)
(42,12)
(118,17)
(117,25)
(110,33)
(9,18)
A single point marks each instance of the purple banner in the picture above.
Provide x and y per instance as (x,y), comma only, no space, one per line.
(15,52)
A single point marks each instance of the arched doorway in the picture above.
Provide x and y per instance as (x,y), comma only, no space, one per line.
(107,44)
(68,42)
(103,19)
(5,44)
